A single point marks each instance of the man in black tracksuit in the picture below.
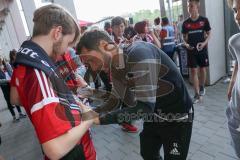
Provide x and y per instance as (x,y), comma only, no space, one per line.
(148,82)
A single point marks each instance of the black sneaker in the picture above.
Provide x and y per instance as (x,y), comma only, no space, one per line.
(202,91)
(196,99)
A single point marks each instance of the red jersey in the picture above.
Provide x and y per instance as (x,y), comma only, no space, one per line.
(43,108)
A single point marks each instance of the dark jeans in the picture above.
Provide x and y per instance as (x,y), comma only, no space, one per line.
(6,93)
(173,136)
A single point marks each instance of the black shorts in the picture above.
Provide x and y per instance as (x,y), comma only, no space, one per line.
(198,59)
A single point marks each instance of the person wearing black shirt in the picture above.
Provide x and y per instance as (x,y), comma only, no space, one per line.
(147,81)
(196,33)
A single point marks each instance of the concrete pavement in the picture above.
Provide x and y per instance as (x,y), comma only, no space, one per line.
(210,139)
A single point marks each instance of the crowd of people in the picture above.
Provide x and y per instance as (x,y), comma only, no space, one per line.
(49,77)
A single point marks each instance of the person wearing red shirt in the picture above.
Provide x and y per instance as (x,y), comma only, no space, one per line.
(60,120)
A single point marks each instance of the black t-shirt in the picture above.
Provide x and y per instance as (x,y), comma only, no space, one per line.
(196,30)
(149,82)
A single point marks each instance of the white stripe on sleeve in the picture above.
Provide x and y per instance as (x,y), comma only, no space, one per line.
(40,83)
(46,84)
(43,103)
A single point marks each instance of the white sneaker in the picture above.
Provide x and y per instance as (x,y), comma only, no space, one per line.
(202,91)
(196,99)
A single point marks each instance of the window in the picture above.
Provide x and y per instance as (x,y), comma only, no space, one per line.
(23,18)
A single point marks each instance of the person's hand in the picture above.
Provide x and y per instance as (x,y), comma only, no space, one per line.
(189,47)
(96,121)
(200,46)
(87,114)
(85,92)
(84,108)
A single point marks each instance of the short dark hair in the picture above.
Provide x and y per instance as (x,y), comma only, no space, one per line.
(157,21)
(165,21)
(91,39)
(107,25)
(12,56)
(116,21)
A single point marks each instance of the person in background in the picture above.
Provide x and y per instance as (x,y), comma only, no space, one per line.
(179,28)
(129,33)
(108,28)
(233,109)
(8,68)
(167,36)
(12,57)
(118,26)
(196,33)
(145,33)
(142,35)
(5,86)
(157,27)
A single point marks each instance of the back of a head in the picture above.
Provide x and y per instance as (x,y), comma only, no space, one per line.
(129,32)
(107,25)
(157,21)
(165,21)
(139,27)
(91,40)
(116,21)
(52,15)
